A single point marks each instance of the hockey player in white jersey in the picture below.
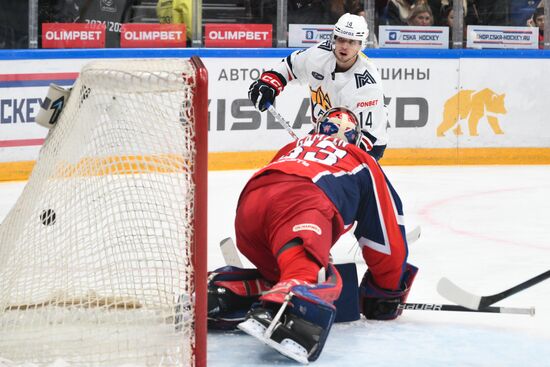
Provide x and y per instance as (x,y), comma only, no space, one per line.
(338,74)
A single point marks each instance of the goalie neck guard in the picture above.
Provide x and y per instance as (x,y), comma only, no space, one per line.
(341,123)
(352,27)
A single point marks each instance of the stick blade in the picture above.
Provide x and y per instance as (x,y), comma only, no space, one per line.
(414,235)
(455,294)
(229,252)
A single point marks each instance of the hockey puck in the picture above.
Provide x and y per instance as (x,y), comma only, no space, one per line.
(47,217)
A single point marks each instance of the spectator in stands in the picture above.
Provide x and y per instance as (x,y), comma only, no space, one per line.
(398,12)
(112,13)
(337,8)
(521,11)
(493,12)
(538,20)
(14,24)
(421,15)
(177,12)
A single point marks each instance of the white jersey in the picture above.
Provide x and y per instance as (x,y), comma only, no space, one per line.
(358,88)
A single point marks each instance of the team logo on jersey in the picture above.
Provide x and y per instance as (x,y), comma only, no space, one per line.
(108,5)
(307,227)
(327,46)
(472,105)
(364,79)
(317,76)
(320,98)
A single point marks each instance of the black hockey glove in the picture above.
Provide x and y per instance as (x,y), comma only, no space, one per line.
(231,292)
(264,90)
(381,304)
(366,142)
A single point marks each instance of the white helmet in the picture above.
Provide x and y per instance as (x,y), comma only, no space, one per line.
(352,27)
(340,122)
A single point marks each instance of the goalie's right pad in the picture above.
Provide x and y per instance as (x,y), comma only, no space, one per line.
(231,293)
(53,104)
(300,326)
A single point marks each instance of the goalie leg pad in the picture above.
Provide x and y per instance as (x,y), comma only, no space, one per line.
(231,293)
(347,305)
(302,329)
(293,335)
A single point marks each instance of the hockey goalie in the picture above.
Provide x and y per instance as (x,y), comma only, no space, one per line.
(289,215)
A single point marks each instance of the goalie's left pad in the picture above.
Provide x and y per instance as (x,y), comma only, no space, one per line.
(231,293)
(382,304)
(300,326)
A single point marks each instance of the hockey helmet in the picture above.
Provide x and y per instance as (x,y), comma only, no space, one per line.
(341,123)
(351,26)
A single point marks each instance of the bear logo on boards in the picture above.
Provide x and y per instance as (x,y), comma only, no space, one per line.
(472,105)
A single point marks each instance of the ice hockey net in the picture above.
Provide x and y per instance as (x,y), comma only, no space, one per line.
(103,257)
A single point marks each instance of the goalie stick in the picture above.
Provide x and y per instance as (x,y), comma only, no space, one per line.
(231,257)
(454,293)
(443,307)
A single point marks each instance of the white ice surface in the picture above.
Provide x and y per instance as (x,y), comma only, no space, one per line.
(485,227)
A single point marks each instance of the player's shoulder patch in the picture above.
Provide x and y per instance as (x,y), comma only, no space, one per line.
(362,79)
(327,46)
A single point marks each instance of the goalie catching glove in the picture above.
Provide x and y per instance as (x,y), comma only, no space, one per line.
(382,304)
(263,91)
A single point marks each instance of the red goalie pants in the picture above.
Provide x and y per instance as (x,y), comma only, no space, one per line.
(274,209)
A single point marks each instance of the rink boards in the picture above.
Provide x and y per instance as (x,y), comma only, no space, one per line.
(445,107)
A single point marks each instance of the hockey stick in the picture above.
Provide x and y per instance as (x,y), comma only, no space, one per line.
(231,255)
(442,307)
(281,120)
(229,252)
(454,293)
(413,235)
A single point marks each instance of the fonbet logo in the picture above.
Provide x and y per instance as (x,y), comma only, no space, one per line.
(472,105)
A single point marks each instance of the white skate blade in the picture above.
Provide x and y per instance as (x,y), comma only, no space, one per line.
(287,347)
(253,328)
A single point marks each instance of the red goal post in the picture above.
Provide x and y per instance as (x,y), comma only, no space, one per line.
(200,243)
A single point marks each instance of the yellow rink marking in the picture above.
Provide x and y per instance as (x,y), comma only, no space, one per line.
(222,161)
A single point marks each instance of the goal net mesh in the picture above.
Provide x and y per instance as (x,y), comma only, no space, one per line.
(95,256)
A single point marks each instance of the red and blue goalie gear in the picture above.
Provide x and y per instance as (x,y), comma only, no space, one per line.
(361,193)
(382,304)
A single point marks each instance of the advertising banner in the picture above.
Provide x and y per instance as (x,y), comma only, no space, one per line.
(413,36)
(73,35)
(305,35)
(238,35)
(152,35)
(432,103)
(484,36)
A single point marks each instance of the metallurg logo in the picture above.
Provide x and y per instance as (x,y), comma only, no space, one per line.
(472,105)
(320,98)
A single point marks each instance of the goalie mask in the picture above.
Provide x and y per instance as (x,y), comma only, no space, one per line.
(352,27)
(341,123)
